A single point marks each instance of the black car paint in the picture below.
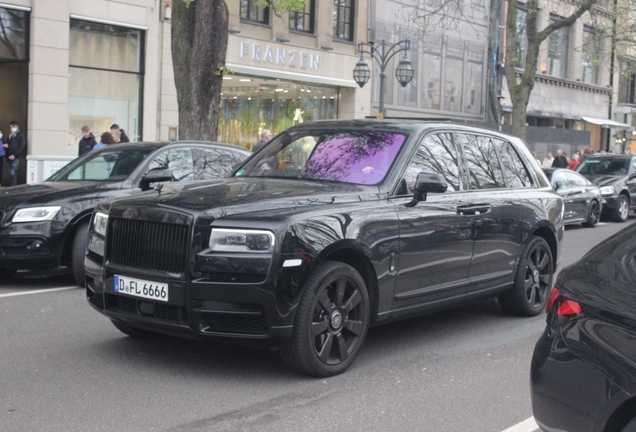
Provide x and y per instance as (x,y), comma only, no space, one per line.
(576,198)
(77,200)
(371,228)
(583,373)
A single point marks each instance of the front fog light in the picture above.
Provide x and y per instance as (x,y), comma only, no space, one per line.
(237,240)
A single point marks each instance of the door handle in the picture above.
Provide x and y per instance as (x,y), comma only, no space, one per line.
(474,209)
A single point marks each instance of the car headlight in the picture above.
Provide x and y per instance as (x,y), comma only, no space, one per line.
(35,214)
(100,221)
(607,190)
(240,240)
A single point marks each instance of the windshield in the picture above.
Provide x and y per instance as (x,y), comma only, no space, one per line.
(604,167)
(347,157)
(108,166)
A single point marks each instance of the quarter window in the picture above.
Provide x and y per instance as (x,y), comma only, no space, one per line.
(513,168)
(343,19)
(436,154)
(484,168)
(250,11)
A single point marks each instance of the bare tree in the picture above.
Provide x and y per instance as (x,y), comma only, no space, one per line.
(199,48)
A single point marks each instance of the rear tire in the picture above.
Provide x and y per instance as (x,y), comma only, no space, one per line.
(134,332)
(331,321)
(593,216)
(79,251)
(621,214)
(533,280)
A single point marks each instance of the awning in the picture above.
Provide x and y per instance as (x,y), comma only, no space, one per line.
(606,123)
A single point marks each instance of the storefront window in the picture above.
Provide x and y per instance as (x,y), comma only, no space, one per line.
(303,20)
(13,34)
(432,64)
(249,105)
(454,68)
(474,79)
(105,79)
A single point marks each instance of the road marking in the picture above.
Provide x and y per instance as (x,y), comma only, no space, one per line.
(528,425)
(38,291)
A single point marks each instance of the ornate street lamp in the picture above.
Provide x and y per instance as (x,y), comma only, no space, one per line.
(383,53)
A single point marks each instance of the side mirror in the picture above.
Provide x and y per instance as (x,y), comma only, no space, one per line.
(155,175)
(428,182)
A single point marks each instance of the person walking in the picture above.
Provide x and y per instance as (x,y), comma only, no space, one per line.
(547,161)
(87,143)
(266,135)
(106,139)
(15,149)
(560,161)
(118,134)
(574,163)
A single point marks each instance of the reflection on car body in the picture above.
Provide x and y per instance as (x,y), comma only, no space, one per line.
(330,228)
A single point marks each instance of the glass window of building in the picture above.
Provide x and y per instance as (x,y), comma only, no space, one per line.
(589,58)
(627,82)
(453,84)
(249,105)
(432,65)
(14,30)
(521,38)
(303,20)
(474,79)
(558,53)
(343,19)
(250,11)
(105,79)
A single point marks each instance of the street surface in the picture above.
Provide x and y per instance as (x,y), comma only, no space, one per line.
(64,367)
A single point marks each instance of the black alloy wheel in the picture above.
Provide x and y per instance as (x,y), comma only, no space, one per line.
(622,209)
(533,280)
(79,250)
(593,216)
(331,321)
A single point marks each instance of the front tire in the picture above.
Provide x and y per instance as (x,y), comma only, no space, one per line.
(79,251)
(621,214)
(593,216)
(533,280)
(331,321)
(134,332)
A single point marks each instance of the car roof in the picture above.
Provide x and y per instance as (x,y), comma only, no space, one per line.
(159,144)
(610,156)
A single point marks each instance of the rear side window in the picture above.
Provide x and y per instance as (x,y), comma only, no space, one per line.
(436,154)
(483,164)
(514,170)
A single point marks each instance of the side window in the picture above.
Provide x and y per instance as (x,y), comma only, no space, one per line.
(214,163)
(436,154)
(575,180)
(513,168)
(178,160)
(484,168)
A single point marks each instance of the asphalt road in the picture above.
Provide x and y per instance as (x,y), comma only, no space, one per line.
(64,367)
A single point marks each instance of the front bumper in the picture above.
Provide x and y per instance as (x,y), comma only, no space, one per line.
(31,246)
(610,203)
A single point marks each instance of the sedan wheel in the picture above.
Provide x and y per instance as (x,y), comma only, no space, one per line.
(331,321)
(533,280)
(622,209)
(594,215)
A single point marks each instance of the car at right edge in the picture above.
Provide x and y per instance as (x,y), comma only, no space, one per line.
(583,373)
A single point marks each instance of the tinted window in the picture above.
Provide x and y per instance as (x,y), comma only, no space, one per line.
(575,180)
(108,165)
(559,177)
(348,157)
(604,167)
(483,164)
(513,168)
(437,154)
(178,160)
(215,163)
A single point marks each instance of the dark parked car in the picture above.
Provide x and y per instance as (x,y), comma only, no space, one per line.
(581,198)
(45,225)
(615,175)
(330,228)
(583,372)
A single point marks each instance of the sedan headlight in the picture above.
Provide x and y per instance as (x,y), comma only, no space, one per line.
(607,190)
(35,214)
(240,240)
(100,221)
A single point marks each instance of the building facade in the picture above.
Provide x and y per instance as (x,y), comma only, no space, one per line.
(65,64)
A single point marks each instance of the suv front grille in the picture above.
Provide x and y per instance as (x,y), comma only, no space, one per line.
(145,245)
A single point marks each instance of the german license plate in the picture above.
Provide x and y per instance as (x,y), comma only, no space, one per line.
(141,288)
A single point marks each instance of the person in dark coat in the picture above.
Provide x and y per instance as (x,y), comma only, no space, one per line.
(115,130)
(2,153)
(560,161)
(15,149)
(265,137)
(87,143)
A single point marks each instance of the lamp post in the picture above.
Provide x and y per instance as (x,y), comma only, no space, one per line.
(383,53)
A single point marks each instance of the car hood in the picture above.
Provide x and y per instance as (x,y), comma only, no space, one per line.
(253,198)
(46,193)
(604,180)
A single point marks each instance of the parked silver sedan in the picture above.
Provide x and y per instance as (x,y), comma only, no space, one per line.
(582,198)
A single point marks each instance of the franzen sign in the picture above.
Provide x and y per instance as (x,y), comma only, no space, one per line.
(279,56)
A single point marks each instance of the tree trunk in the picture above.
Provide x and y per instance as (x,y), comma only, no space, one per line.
(493,70)
(199,46)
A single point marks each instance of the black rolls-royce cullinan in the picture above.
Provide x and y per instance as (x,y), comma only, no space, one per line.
(332,227)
